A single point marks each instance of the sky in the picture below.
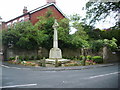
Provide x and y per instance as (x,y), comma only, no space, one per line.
(10,9)
(13,8)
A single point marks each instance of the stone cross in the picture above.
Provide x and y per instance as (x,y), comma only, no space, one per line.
(55,52)
(55,38)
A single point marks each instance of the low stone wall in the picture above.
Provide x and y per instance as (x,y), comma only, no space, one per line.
(11,52)
(66,52)
(20,52)
(71,52)
(114,57)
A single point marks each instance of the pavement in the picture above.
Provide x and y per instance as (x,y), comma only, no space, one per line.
(5,64)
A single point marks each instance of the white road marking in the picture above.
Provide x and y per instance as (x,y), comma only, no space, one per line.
(14,67)
(25,85)
(103,75)
(5,66)
(26,68)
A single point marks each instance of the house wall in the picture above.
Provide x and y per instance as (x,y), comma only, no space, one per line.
(3,25)
(56,14)
(34,16)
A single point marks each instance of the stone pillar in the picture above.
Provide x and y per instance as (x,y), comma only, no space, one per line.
(105,54)
(39,51)
(82,51)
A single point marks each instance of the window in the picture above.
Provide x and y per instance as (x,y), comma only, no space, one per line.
(21,19)
(9,24)
(14,22)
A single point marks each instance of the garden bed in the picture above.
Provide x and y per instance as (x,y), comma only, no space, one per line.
(82,61)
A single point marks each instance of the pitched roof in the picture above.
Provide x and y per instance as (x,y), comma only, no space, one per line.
(17,17)
(40,8)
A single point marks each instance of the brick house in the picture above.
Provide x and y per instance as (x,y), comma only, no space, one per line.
(33,14)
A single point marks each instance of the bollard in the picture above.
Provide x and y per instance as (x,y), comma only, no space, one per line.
(84,61)
(56,62)
(43,62)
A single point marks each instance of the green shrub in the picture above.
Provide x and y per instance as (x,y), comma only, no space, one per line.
(21,58)
(11,58)
(67,58)
(89,57)
(26,58)
(82,57)
(72,64)
(82,62)
(32,57)
(38,57)
(35,57)
(97,59)
(76,58)
(72,58)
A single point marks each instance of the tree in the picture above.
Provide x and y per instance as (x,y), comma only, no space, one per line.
(45,24)
(80,37)
(77,40)
(89,37)
(97,44)
(23,35)
(97,11)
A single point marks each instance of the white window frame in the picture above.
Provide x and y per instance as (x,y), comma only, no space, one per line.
(8,24)
(21,19)
(14,22)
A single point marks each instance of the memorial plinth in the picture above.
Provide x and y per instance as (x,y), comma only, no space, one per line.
(55,53)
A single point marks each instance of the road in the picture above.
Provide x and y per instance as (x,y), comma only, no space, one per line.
(103,77)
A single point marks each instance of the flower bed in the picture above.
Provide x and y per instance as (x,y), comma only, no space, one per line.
(88,60)
(71,63)
(26,63)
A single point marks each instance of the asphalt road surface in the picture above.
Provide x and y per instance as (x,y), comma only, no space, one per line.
(103,77)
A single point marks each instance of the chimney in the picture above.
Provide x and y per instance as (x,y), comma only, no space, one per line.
(25,10)
(51,1)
